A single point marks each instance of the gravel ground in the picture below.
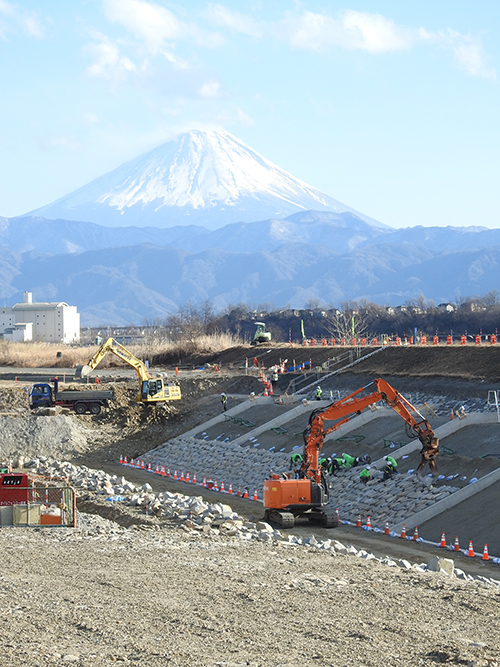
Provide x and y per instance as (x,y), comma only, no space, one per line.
(152,596)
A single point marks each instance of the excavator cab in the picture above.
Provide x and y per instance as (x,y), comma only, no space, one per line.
(261,335)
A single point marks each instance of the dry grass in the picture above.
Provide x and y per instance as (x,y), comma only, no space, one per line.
(45,355)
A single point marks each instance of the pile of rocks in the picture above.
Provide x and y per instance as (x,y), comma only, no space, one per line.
(225,462)
(393,500)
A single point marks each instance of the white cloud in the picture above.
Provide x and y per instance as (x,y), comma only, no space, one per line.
(469,53)
(12,18)
(210,89)
(156,25)
(235,21)
(375,33)
(108,61)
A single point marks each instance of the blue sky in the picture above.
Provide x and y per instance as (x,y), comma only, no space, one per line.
(390,107)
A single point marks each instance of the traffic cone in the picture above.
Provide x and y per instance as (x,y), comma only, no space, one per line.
(265,391)
(210,484)
(443,541)
(485,553)
(239,492)
(149,466)
(270,390)
(415,534)
(470,552)
(230,489)
(157,471)
(142,465)
(175,474)
(168,472)
(131,462)
(163,471)
(456,546)
(358,522)
(245,495)
(337,511)
(125,461)
(182,476)
(215,487)
(387,531)
(222,490)
(194,478)
(403,533)
(137,463)
(204,484)
(452,415)
(368,523)
(255,495)
(121,459)
(187,478)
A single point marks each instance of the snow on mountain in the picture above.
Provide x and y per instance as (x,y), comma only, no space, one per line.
(208,178)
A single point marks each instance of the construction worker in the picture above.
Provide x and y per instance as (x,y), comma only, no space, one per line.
(318,393)
(274,379)
(336,465)
(296,461)
(364,475)
(390,467)
(223,400)
(324,463)
(349,461)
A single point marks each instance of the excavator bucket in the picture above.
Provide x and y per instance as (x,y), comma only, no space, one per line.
(82,371)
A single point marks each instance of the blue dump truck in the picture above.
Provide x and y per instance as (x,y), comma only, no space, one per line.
(44,395)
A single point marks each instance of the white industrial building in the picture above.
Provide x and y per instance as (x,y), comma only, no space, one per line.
(50,322)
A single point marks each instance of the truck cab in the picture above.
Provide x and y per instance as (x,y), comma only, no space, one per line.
(40,395)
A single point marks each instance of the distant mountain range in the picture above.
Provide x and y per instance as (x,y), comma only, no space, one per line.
(126,275)
(206,217)
(207,178)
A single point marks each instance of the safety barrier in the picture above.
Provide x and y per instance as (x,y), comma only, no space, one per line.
(398,341)
(38,505)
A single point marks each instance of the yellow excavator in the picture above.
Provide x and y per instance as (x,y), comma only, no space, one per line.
(152,391)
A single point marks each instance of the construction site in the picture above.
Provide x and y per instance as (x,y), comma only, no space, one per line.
(416,575)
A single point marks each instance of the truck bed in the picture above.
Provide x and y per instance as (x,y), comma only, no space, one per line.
(86,395)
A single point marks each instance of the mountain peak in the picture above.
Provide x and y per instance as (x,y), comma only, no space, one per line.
(207,177)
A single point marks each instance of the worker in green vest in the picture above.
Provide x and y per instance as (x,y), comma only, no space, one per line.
(296,461)
(318,393)
(364,475)
(390,467)
(349,461)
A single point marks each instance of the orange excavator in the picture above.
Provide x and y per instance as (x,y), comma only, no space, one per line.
(305,492)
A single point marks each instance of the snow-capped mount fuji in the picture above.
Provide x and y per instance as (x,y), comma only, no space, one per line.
(207,178)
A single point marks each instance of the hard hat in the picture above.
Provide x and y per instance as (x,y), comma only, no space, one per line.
(318,387)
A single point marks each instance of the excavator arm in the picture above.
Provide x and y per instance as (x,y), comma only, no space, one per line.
(345,409)
(111,345)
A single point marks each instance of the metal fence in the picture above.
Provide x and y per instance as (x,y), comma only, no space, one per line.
(39,505)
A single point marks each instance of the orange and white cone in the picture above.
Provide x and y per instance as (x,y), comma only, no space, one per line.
(403,533)
(194,478)
(456,546)
(222,489)
(255,495)
(358,522)
(230,489)
(125,461)
(163,471)
(337,512)
(415,534)
(265,391)
(175,474)
(149,466)
(215,487)
(157,471)
(485,553)
(121,459)
(368,523)
(204,483)
(182,476)
(187,477)
(131,462)
(245,495)
(238,493)
(142,465)
(470,551)
(443,541)
(387,531)
(168,472)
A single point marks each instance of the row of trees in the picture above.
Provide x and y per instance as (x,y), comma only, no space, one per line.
(471,315)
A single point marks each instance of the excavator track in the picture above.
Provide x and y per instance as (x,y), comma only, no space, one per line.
(280,517)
